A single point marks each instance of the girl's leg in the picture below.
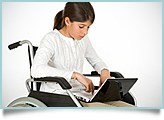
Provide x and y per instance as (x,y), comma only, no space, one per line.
(119,104)
(95,104)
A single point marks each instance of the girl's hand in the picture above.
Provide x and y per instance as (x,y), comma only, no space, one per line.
(104,75)
(85,81)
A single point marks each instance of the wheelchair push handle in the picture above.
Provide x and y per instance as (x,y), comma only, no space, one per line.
(14,45)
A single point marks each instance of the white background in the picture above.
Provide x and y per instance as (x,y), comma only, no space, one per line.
(127,36)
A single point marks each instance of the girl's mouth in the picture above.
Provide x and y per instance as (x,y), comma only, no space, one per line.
(81,36)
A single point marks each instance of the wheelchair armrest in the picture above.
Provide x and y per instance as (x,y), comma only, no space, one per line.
(62,81)
(93,74)
(113,74)
(116,75)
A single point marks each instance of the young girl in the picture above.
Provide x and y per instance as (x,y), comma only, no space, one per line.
(63,50)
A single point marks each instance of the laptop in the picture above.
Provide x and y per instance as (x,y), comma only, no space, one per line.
(126,84)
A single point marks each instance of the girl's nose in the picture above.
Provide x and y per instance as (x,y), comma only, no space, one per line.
(85,31)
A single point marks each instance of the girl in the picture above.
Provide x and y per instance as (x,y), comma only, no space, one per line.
(63,50)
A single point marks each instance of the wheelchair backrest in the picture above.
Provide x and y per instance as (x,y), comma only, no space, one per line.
(34,51)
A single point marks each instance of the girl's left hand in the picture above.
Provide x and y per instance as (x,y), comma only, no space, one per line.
(104,75)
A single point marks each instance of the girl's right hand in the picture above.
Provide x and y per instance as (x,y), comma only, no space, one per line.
(85,81)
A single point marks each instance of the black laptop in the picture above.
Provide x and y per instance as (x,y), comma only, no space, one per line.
(126,84)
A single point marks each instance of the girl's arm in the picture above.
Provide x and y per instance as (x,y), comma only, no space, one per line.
(97,63)
(85,81)
(104,75)
(40,67)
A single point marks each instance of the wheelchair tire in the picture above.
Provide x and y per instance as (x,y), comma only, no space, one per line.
(26,102)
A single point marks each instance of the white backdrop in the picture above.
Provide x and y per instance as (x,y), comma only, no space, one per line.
(126,35)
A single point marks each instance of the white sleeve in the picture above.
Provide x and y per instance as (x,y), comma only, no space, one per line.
(40,67)
(93,58)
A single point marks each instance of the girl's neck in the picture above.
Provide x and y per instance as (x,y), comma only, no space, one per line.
(65,32)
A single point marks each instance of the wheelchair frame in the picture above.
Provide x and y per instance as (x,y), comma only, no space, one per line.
(33,102)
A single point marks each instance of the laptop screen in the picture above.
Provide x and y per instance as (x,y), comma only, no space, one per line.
(126,85)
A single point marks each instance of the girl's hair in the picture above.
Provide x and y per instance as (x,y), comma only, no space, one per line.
(76,11)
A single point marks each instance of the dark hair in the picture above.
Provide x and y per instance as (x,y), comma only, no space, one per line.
(76,11)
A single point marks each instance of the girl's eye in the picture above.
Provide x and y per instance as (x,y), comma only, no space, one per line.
(81,27)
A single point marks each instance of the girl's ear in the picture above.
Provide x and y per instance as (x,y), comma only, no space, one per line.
(67,21)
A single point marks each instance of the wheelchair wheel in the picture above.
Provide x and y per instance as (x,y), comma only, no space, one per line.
(26,102)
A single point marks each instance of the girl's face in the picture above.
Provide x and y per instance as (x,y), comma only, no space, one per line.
(77,30)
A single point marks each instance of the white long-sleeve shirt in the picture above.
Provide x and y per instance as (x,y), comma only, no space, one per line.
(58,55)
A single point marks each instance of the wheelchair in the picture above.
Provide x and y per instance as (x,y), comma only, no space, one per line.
(36,98)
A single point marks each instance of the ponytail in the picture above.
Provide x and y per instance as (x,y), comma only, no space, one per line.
(58,21)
